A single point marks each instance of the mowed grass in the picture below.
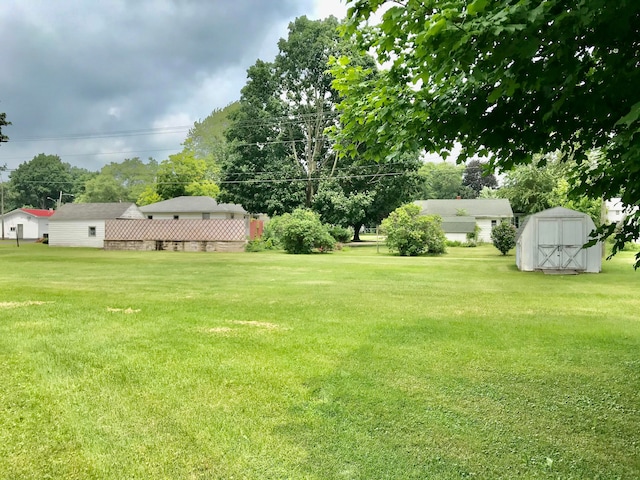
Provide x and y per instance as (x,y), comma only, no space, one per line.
(349,365)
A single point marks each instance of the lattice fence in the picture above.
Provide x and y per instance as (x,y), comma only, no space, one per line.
(223,230)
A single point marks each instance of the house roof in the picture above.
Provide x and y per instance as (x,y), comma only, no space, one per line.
(458,224)
(478,207)
(96,211)
(196,204)
(37,212)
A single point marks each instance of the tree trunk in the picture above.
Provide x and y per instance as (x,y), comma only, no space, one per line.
(356,232)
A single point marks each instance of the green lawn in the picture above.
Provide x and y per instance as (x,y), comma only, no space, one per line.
(349,365)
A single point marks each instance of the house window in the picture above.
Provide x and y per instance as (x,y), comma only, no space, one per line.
(494,223)
(150,217)
(92,231)
(232,216)
(12,229)
(176,217)
(206,216)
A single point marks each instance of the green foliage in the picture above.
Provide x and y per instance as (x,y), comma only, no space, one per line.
(206,138)
(409,233)
(302,232)
(120,182)
(505,78)
(280,152)
(43,178)
(184,174)
(443,180)
(472,237)
(503,237)
(545,183)
(477,176)
(3,123)
(341,234)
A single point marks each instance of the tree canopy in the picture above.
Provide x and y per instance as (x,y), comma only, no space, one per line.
(506,78)
(282,158)
(42,181)
(3,123)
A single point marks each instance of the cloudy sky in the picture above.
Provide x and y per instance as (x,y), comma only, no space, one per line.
(98,82)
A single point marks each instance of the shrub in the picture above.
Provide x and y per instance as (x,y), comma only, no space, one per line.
(472,237)
(255,245)
(504,237)
(408,233)
(302,232)
(341,234)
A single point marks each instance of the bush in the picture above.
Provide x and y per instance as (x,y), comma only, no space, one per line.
(341,234)
(302,232)
(272,234)
(256,245)
(504,237)
(408,233)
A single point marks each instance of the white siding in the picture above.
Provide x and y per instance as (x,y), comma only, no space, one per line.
(67,233)
(456,237)
(32,227)
(485,229)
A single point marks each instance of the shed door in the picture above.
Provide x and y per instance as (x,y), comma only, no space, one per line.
(560,243)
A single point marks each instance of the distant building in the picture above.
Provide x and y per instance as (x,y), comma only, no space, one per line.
(193,208)
(460,216)
(83,224)
(27,223)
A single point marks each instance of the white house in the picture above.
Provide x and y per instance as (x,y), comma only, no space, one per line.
(83,224)
(553,240)
(461,216)
(27,223)
(193,208)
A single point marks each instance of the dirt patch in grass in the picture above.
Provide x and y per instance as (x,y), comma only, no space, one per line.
(128,311)
(265,325)
(221,330)
(28,303)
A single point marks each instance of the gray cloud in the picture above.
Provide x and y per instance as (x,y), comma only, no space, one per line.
(84,67)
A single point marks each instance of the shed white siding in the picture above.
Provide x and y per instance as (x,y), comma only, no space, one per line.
(553,240)
(32,227)
(75,233)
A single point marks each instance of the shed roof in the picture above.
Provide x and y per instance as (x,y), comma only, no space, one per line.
(96,211)
(195,204)
(555,212)
(477,207)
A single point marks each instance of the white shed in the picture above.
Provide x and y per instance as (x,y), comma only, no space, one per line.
(27,223)
(553,240)
(83,224)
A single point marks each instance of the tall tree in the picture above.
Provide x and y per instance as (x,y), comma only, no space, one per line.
(477,177)
(442,180)
(364,192)
(279,130)
(206,139)
(183,174)
(119,182)
(42,181)
(511,78)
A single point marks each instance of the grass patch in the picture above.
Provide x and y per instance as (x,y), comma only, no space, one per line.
(354,364)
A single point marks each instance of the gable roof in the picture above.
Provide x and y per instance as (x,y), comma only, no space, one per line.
(96,211)
(38,212)
(555,212)
(195,204)
(477,207)
(33,212)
